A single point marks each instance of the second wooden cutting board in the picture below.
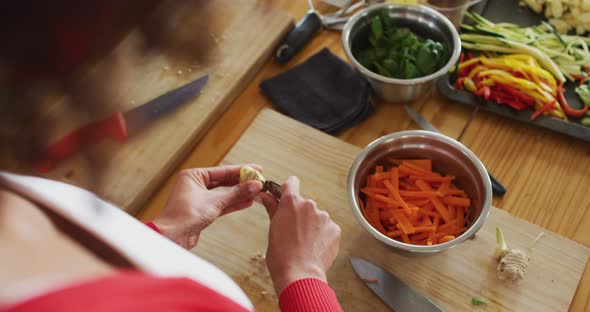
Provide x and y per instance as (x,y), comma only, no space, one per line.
(285,147)
(240,36)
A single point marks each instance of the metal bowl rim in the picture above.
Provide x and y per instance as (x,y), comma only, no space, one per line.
(364,12)
(410,247)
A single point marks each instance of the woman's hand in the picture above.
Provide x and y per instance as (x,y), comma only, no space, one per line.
(193,205)
(303,240)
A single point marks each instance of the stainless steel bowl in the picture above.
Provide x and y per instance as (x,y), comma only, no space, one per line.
(448,156)
(422,20)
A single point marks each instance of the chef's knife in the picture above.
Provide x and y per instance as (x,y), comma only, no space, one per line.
(393,291)
(118,126)
(497,188)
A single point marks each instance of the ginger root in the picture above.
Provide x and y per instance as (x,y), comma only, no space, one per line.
(513,263)
(248,173)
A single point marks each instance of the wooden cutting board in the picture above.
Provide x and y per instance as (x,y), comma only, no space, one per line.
(239,35)
(286,147)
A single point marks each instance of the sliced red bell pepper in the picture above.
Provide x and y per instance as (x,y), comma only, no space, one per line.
(510,101)
(459,83)
(530,101)
(484,92)
(466,70)
(518,75)
(461,57)
(583,81)
(566,108)
(578,77)
(544,108)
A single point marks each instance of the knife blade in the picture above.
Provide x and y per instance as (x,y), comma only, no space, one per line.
(272,187)
(390,289)
(118,126)
(497,187)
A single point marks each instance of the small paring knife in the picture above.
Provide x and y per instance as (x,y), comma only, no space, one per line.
(272,188)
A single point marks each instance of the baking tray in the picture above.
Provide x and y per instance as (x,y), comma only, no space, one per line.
(509,11)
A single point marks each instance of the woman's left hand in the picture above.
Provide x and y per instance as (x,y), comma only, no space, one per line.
(193,205)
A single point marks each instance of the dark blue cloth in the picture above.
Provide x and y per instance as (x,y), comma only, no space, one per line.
(323,92)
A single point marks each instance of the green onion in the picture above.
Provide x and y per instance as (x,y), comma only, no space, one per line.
(476,301)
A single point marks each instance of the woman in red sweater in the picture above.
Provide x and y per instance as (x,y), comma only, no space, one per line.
(63,249)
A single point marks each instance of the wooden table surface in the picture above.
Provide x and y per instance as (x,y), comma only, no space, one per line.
(547,175)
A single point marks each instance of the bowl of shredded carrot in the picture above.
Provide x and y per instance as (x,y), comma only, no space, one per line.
(419,192)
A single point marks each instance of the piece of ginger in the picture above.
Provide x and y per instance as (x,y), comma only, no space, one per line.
(513,263)
(248,173)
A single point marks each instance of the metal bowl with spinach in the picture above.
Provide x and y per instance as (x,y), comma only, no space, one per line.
(397,52)
(398,36)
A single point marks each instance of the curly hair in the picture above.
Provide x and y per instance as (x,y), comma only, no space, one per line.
(52,46)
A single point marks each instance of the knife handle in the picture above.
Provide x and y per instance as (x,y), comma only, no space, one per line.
(497,187)
(298,37)
(113,126)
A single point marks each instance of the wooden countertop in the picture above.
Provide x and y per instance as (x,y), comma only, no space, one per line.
(547,175)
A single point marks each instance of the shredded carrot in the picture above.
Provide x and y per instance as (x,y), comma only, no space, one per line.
(403,222)
(444,187)
(394,234)
(397,196)
(432,235)
(405,170)
(423,235)
(405,238)
(419,194)
(395,178)
(382,175)
(447,232)
(387,200)
(411,203)
(446,238)
(425,164)
(426,221)
(428,206)
(432,179)
(407,186)
(376,190)
(419,229)
(452,211)
(428,173)
(457,201)
(448,225)
(415,202)
(428,213)
(386,214)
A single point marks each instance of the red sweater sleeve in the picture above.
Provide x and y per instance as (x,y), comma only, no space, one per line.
(309,294)
(152,226)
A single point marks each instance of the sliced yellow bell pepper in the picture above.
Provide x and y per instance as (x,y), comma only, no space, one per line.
(469,84)
(470,62)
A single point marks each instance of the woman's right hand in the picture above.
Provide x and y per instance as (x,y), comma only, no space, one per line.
(303,240)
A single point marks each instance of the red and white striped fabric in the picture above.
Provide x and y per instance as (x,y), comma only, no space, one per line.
(168,277)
